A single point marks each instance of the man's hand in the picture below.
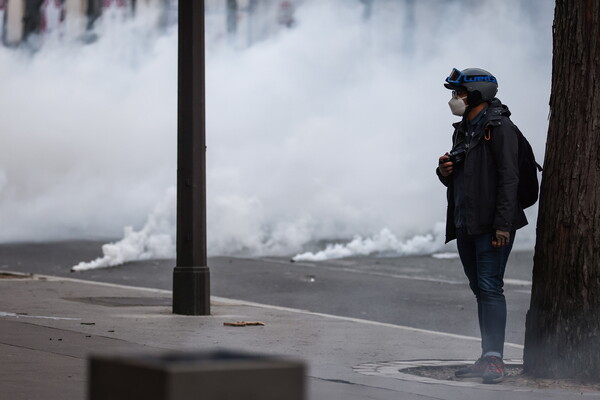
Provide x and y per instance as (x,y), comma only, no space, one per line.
(446,166)
(502,239)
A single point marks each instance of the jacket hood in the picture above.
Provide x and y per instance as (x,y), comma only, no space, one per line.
(496,106)
(496,110)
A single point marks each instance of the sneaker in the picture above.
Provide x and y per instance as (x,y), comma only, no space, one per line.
(494,370)
(473,370)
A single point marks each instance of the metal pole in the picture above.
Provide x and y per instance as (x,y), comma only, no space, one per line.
(191,276)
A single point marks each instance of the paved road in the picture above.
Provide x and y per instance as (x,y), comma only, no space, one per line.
(421,292)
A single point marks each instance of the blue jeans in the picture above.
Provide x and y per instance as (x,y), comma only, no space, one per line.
(484,266)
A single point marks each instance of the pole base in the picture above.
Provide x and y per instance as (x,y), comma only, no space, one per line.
(191,290)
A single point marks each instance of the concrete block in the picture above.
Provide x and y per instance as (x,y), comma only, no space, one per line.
(221,375)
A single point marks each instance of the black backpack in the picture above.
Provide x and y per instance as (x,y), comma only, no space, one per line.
(528,169)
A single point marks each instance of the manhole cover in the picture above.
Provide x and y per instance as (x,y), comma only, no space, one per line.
(441,372)
(431,371)
(446,372)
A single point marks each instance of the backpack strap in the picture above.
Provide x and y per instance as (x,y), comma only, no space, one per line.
(487,135)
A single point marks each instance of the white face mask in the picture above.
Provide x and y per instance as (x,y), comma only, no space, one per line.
(457,106)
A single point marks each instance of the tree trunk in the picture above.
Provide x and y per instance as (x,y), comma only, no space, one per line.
(562,338)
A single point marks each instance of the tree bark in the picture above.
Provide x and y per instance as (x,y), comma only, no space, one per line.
(562,338)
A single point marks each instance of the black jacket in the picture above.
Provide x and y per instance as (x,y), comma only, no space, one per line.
(491,175)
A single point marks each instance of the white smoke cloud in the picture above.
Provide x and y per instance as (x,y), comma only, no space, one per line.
(325,131)
(384,242)
(153,241)
(87,134)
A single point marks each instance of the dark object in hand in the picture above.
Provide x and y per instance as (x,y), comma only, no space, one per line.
(457,156)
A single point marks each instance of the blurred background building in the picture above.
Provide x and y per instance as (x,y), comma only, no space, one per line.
(241,22)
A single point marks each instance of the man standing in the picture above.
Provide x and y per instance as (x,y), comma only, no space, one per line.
(482,175)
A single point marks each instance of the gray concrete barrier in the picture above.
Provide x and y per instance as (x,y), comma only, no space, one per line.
(221,375)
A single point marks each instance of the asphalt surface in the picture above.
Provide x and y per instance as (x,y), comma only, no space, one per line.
(421,292)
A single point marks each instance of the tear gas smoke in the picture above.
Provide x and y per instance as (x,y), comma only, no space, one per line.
(325,131)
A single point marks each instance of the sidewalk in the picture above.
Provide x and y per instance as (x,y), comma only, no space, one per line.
(48,326)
